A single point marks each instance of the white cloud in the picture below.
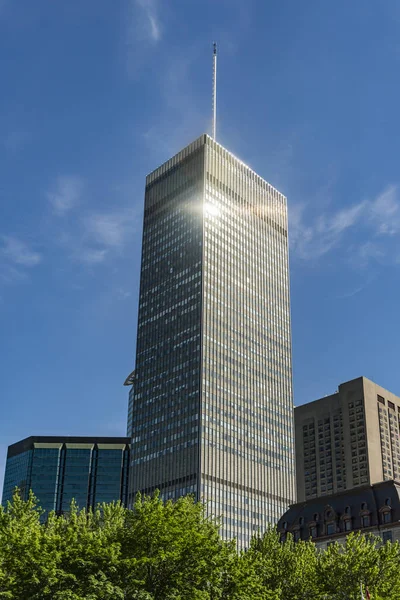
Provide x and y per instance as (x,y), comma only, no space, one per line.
(10,275)
(92,256)
(373,220)
(99,236)
(142,33)
(385,211)
(109,229)
(15,258)
(18,252)
(148,25)
(123,294)
(66,194)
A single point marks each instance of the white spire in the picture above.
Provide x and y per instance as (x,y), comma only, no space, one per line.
(214,98)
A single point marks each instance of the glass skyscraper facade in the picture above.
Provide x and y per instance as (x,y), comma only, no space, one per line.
(57,470)
(211,411)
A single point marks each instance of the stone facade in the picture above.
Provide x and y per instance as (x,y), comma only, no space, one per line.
(372,509)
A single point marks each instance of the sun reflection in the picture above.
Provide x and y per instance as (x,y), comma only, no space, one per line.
(211,209)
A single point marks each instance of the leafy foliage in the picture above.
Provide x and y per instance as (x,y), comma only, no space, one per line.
(172,551)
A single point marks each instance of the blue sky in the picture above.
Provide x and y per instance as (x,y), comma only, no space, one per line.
(96,93)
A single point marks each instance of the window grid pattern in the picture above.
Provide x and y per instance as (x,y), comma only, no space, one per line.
(310,463)
(212,408)
(164,411)
(324,455)
(57,474)
(247,418)
(18,474)
(390,440)
(359,458)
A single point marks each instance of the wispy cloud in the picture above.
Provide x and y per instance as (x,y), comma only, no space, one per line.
(91,256)
(98,236)
(16,257)
(373,221)
(89,235)
(147,24)
(65,195)
(385,211)
(109,229)
(142,32)
(10,275)
(18,252)
(181,118)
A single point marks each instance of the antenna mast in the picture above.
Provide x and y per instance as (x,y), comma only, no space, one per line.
(214,94)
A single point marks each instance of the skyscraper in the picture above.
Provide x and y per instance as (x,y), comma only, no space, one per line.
(58,469)
(347,439)
(211,411)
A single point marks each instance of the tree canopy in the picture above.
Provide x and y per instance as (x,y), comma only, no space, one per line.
(173,551)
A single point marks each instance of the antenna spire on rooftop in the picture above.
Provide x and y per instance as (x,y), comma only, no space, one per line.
(214,93)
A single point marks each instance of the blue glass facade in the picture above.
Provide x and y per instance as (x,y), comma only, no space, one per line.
(45,476)
(18,473)
(88,470)
(76,470)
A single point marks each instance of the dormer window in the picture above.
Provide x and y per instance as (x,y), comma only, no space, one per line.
(365,521)
(331,528)
(313,531)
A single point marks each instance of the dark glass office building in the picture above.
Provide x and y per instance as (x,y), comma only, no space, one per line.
(58,469)
(211,408)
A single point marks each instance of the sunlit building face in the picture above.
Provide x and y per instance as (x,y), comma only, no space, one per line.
(211,411)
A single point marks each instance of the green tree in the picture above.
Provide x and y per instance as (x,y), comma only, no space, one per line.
(27,569)
(287,569)
(360,560)
(172,550)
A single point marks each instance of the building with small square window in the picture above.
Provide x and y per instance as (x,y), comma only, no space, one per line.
(372,509)
(347,439)
(90,470)
(211,404)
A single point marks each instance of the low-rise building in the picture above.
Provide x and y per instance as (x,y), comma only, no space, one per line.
(373,509)
(89,470)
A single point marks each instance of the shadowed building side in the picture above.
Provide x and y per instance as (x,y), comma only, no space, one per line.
(371,509)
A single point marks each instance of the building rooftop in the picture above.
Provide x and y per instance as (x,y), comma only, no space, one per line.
(27,443)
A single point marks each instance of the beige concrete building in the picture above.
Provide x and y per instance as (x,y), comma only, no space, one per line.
(348,439)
